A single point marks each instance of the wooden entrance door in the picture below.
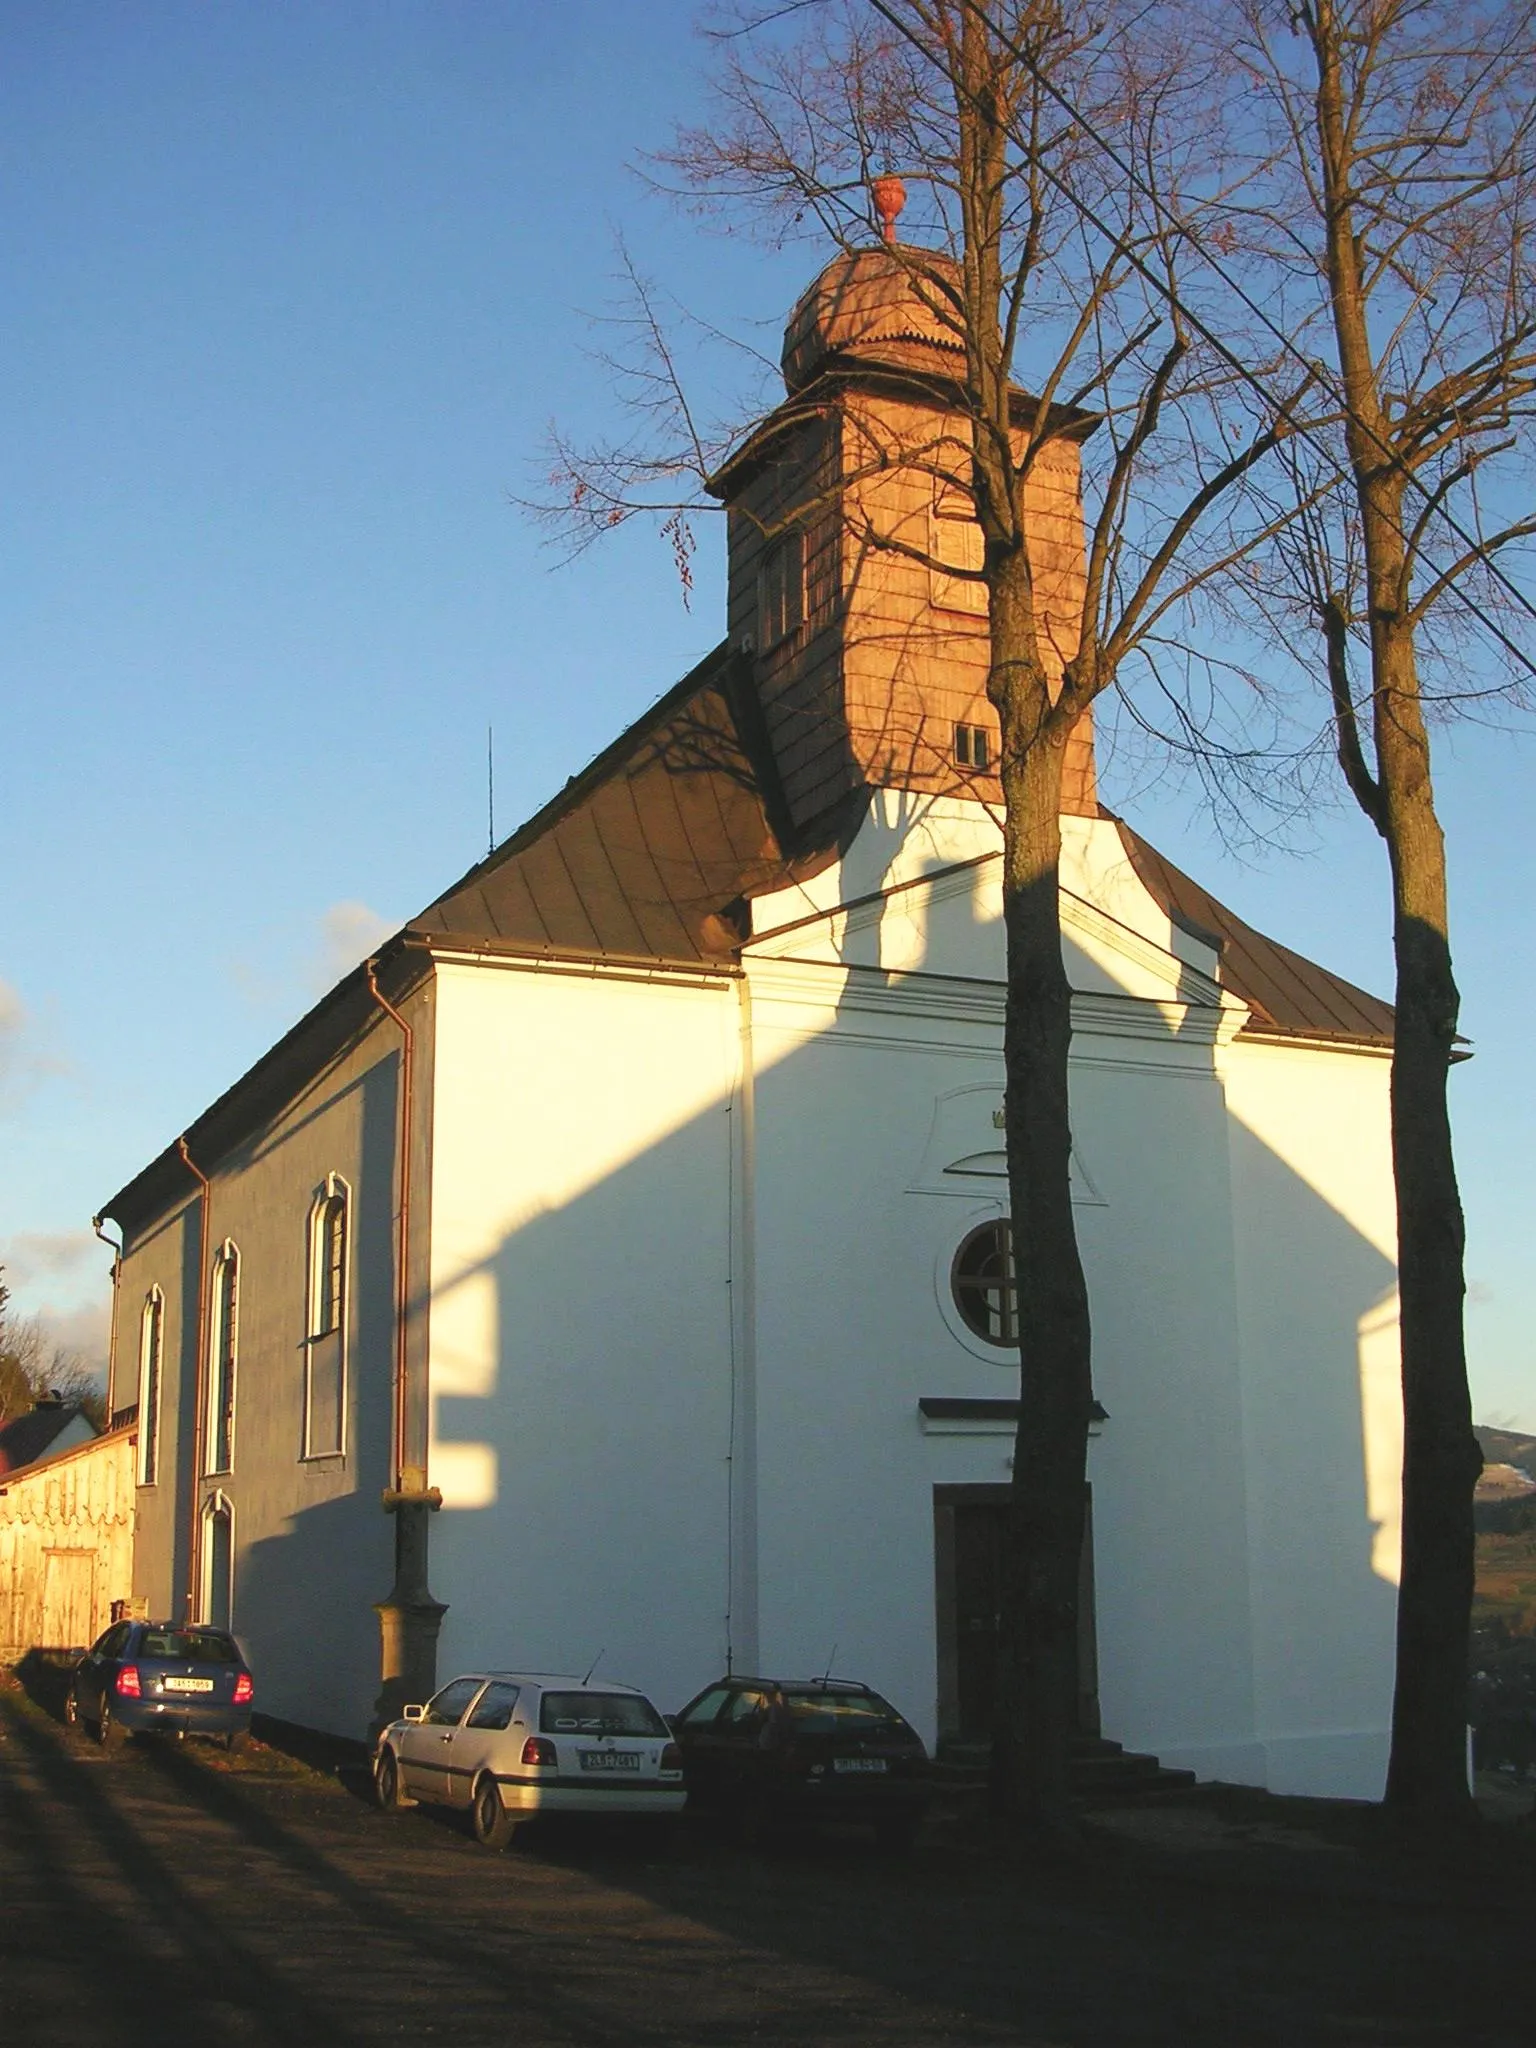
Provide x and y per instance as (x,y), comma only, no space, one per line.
(69,1600)
(968,1559)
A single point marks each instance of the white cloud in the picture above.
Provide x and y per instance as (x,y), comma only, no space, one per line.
(60,1280)
(33,1255)
(82,1330)
(22,1064)
(13,1027)
(349,932)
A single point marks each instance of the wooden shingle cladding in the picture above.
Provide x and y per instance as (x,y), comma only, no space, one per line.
(892,652)
(916,648)
(798,678)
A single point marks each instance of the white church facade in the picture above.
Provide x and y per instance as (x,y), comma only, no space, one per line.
(634,1228)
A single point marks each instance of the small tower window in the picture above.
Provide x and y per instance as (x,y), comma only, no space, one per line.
(959,552)
(973,746)
(781,589)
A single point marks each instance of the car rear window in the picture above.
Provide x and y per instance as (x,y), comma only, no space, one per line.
(188,1646)
(814,1712)
(599,1713)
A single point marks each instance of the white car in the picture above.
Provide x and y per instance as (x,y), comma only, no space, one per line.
(510,1744)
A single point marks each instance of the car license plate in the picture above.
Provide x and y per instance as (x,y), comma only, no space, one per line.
(610,1760)
(187,1684)
(858,1763)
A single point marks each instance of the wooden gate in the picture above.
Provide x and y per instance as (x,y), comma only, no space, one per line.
(69,1599)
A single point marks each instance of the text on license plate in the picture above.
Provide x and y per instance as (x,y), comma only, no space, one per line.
(858,1763)
(187,1684)
(610,1760)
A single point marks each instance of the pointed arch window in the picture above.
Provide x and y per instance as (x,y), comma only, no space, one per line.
(325,1346)
(218,1562)
(151,1357)
(223,1354)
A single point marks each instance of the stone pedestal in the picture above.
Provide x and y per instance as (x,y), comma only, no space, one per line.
(409,1617)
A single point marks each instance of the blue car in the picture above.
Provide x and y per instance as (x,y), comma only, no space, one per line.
(157,1678)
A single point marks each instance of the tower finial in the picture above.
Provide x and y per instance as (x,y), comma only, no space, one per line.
(890,196)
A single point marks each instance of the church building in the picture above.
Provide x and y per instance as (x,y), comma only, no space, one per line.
(618,1265)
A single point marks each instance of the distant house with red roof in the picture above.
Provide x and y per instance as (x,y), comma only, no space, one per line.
(53,1426)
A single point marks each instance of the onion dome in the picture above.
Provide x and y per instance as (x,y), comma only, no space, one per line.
(893,305)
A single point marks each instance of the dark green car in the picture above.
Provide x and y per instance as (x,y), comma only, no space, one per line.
(773,1752)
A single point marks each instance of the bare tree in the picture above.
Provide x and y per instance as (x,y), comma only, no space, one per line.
(1395,225)
(1065,286)
(31,1367)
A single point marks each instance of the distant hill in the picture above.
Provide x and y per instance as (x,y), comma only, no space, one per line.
(1507,1447)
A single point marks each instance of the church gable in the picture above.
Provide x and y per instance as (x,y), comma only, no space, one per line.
(945,918)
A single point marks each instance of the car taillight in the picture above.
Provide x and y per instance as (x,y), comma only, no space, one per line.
(243,1688)
(128,1682)
(537,1751)
(671,1758)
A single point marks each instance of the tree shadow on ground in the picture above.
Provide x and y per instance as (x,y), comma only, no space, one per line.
(280,1900)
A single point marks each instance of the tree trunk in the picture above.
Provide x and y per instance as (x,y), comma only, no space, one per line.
(1038,1647)
(1427,1773)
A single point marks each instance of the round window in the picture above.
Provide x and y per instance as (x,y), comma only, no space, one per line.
(985,1288)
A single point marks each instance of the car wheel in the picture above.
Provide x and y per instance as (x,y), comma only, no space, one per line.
(387,1788)
(494,1827)
(109,1733)
(236,1740)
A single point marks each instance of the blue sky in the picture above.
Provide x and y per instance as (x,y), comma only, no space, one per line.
(293,293)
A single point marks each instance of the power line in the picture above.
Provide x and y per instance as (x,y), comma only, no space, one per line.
(1167,292)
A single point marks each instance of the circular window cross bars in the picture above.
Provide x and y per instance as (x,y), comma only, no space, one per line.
(985,1285)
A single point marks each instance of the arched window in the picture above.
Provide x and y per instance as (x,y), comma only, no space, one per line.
(325,1347)
(223,1346)
(985,1285)
(218,1573)
(151,1352)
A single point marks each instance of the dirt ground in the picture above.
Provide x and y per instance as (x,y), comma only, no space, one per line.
(169,1894)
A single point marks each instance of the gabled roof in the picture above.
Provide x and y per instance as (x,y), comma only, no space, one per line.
(651,855)
(653,851)
(1289,995)
(26,1439)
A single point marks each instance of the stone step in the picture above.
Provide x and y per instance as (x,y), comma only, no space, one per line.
(1101,1771)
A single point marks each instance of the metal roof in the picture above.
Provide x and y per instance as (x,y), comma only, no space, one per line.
(651,852)
(651,855)
(1289,995)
